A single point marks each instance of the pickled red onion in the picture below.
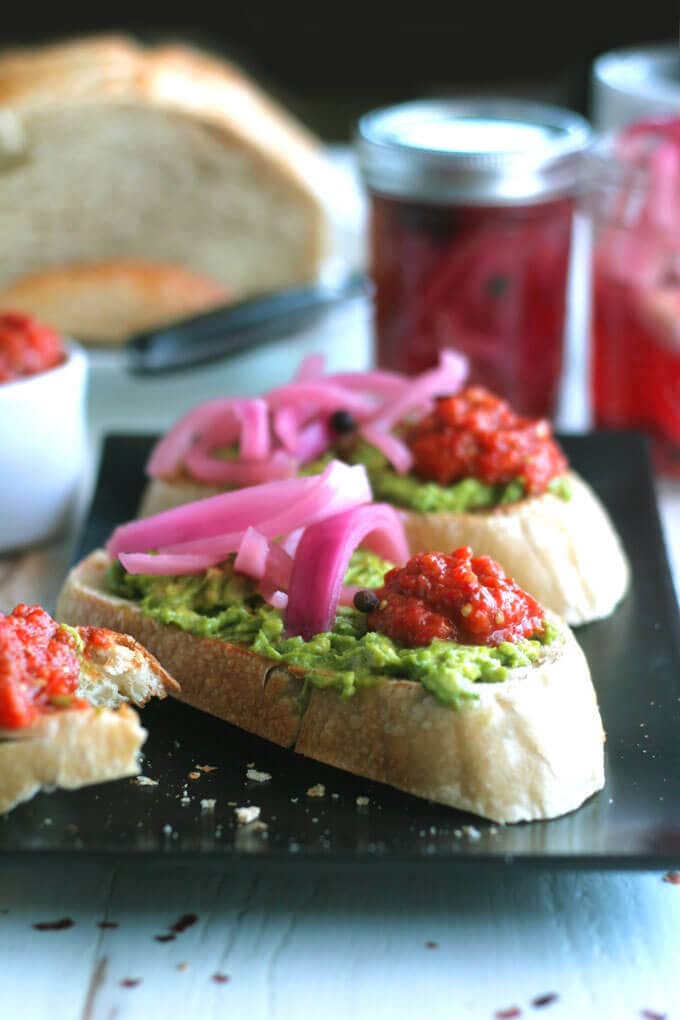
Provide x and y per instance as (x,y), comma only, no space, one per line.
(212,470)
(447,377)
(251,558)
(168,455)
(396,451)
(254,443)
(323,556)
(198,535)
(321,396)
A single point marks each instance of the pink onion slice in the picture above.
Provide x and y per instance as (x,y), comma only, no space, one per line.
(318,396)
(168,455)
(208,517)
(336,489)
(251,558)
(447,377)
(255,439)
(384,384)
(312,441)
(396,451)
(278,567)
(164,564)
(209,469)
(323,556)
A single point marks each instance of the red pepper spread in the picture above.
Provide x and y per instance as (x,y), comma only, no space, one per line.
(476,435)
(27,347)
(457,597)
(39,667)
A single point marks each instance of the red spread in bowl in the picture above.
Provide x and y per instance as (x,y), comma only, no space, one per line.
(27,347)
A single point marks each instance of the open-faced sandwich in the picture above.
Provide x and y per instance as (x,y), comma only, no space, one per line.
(292,609)
(65,717)
(460,464)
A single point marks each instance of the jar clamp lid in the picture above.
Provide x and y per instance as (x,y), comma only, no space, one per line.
(473,151)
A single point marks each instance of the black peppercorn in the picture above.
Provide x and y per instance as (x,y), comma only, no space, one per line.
(366,601)
(342,422)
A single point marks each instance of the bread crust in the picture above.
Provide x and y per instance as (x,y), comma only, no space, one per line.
(565,552)
(529,748)
(69,749)
(207,92)
(105,302)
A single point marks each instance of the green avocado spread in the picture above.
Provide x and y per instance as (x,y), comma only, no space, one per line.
(413,493)
(220,603)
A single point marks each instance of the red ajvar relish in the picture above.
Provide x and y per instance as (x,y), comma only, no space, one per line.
(457,597)
(476,435)
(27,347)
(39,667)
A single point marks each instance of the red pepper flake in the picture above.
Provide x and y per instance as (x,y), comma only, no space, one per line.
(165,938)
(221,979)
(508,1014)
(106,925)
(431,945)
(650,1014)
(130,982)
(60,925)
(544,1000)
(672,877)
(184,922)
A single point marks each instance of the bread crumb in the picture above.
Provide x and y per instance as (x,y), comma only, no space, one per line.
(231,803)
(145,781)
(318,790)
(259,826)
(250,765)
(194,775)
(246,815)
(206,768)
(362,802)
(258,777)
(185,800)
(471,832)
(208,804)
(167,829)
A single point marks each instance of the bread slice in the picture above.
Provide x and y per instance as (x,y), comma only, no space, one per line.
(110,150)
(530,747)
(106,302)
(70,748)
(565,552)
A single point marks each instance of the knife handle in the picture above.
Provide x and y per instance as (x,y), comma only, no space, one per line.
(228,329)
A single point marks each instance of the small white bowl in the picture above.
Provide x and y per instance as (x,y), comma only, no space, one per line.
(43,445)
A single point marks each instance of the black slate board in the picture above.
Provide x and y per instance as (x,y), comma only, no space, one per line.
(635,661)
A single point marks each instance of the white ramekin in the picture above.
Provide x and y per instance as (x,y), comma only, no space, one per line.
(42,450)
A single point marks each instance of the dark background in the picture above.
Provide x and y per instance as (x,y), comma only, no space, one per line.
(329,62)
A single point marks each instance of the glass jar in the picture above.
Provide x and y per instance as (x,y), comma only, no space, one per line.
(471,213)
(635,343)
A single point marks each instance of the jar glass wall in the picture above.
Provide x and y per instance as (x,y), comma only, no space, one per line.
(635,342)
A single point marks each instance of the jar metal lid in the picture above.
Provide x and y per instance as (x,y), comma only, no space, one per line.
(473,150)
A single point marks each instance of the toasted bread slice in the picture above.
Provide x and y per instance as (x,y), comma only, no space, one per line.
(75,747)
(530,747)
(565,552)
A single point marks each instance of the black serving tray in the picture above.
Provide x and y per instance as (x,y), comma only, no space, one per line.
(635,662)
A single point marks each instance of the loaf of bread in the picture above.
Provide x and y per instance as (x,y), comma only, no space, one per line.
(110,151)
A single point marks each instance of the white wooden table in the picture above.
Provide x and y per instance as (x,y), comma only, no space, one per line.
(476,943)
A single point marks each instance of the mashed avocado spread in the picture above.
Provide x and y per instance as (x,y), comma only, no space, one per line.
(222,604)
(413,493)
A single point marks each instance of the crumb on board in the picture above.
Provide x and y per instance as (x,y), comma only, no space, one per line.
(258,777)
(318,790)
(208,804)
(145,781)
(206,768)
(194,775)
(246,815)
(362,802)
(259,826)
(167,829)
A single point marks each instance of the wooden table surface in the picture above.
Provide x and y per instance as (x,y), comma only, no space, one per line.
(477,943)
